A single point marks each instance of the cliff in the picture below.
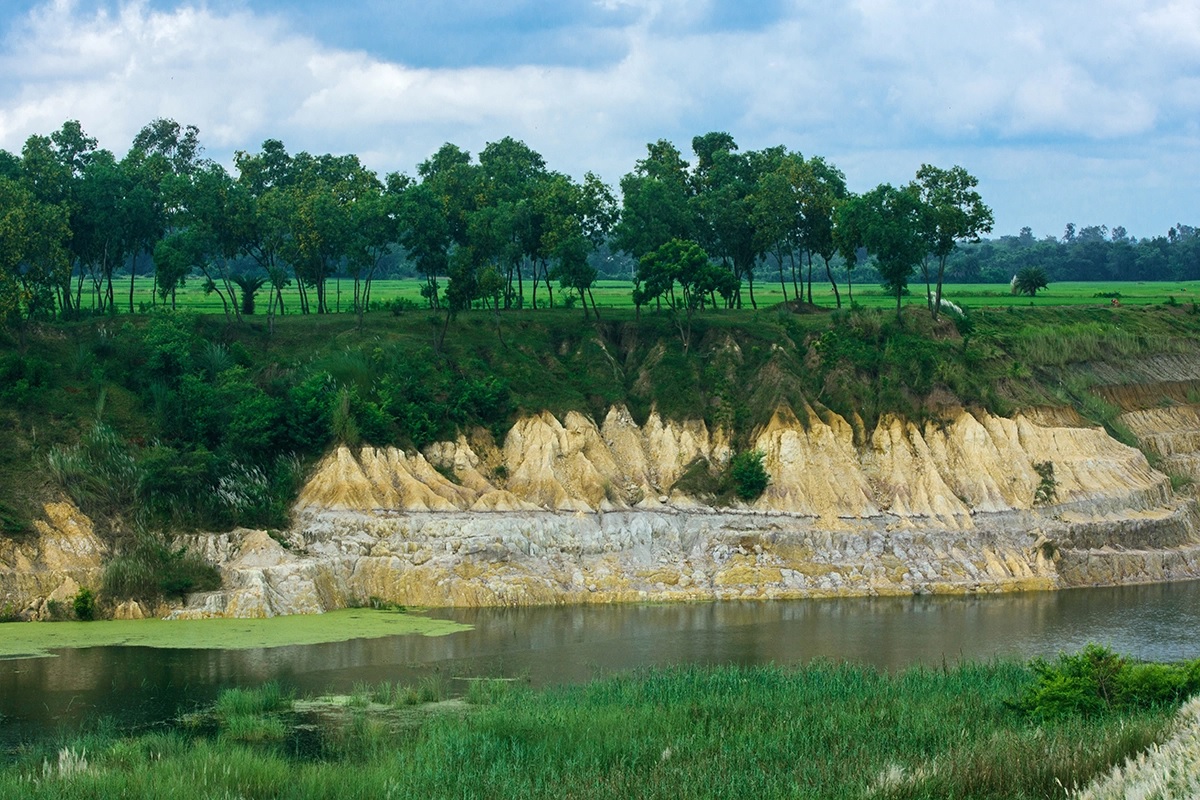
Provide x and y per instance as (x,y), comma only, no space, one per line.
(569,511)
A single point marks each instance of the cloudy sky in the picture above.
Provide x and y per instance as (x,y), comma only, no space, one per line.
(1066,111)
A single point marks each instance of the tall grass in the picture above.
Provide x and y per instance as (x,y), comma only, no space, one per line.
(825,730)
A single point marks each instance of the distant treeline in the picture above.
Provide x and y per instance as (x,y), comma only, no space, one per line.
(1091,253)
(502,230)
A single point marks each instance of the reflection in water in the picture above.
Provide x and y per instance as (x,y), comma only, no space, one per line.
(138,685)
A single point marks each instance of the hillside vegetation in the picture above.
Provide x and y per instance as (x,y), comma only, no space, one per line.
(175,420)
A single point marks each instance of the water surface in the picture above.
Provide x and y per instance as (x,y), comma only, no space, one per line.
(141,686)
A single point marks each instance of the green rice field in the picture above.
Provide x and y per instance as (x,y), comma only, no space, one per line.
(618,294)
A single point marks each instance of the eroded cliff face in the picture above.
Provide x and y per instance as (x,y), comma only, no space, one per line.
(51,566)
(568,511)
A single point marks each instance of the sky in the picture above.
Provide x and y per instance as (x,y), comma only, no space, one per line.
(1065,111)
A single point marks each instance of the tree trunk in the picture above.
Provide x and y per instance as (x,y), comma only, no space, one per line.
(810,300)
(782,282)
(132,275)
(928,288)
(937,303)
(829,273)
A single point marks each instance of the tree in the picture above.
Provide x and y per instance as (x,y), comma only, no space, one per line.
(723,184)
(52,168)
(1030,280)
(34,255)
(509,174)
(654,202)
(749,476)
(953,212)
(161,153)
(821,186)
(892,232)
(574,220)
(174,257)
(775,210)
(259,208)
(849,223)
(684,263)
(374,230)
(249,285)
(99,240)
(425,234)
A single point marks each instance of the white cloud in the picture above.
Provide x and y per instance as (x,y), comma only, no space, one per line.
(877,85)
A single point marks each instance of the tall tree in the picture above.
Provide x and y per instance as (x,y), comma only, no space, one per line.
(259,209)
(655,206)
(954,212)
(849,224)
(821,187)
(892,231)
(776,214)
(724,183)
(161,151)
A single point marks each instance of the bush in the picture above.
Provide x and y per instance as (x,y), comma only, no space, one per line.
(1096,680)
(84,605)
(749,476)
(1047,489)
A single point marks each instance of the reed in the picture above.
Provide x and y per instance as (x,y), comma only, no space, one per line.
(825,730)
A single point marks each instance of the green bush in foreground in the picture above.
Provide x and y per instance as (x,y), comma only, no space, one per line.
(1096,680)
(824,730)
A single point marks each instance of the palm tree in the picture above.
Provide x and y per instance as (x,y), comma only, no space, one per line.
(249,285)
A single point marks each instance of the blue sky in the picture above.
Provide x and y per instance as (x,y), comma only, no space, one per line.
(1066,112)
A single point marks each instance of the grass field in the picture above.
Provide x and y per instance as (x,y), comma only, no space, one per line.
(618,294)
(820,731)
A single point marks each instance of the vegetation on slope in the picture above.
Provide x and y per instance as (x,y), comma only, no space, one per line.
(173,421)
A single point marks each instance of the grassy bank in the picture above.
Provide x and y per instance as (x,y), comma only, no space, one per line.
(825,730)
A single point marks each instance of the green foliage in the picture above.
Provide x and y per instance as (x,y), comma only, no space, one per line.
(84,604)
(146,568)
(1030,280)
(698,480)
(12,522)
(1047,488)
(748,474)
(664,733)
(100,474)
(1097,681)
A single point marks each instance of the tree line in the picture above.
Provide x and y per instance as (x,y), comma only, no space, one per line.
(1082,253)
(498,231)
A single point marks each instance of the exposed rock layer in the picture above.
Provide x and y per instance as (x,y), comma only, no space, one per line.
(570,511)
(49,568)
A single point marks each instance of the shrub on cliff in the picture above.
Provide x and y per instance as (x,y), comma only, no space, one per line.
(749,476)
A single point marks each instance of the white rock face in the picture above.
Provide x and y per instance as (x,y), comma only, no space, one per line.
(978,463)
(566,511)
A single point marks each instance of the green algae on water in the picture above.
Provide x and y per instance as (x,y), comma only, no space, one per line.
(35,639)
